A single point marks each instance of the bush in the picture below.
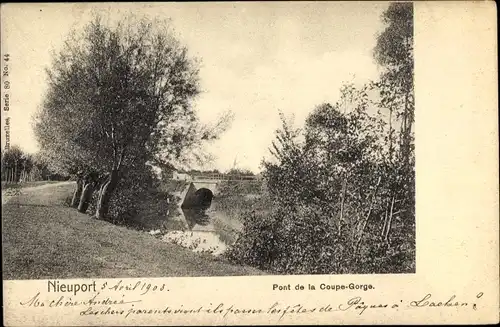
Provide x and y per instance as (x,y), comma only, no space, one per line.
(305,240)
(228,188)
(329,196)
(290,240)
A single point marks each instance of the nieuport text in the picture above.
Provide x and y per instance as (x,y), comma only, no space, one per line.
(56,287)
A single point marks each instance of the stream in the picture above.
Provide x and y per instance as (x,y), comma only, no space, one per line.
(200,230)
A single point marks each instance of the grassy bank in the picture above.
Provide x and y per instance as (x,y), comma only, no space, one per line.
(43,238)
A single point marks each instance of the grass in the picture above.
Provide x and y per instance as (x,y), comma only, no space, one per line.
(43,238)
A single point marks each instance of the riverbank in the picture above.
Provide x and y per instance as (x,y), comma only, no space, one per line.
(43,238)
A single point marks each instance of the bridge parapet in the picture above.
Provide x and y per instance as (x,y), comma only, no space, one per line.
(222,177)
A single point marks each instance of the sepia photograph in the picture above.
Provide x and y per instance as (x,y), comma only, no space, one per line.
(280,162)
(253,139)
(207,148)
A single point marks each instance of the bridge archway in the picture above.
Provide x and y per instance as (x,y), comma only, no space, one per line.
(198,199)
(204,197)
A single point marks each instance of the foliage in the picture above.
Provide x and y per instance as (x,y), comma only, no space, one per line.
(119,99)
(117,87)
(12,156)
(134,190)
(314,225)
(239,171)
(16,162)
(341,190)
(228,188)
(394,53)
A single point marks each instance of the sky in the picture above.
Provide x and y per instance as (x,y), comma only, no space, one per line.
(257,59)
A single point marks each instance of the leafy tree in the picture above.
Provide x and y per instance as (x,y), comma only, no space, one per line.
(394,53)
(12,156)
(119,96)
(341,190)
(12,161)
(239,171)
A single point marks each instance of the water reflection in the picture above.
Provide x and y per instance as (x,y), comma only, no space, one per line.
(196,216)
(197,241)
(193,228)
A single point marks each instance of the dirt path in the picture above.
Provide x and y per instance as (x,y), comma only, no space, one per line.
(11,193)
(43,238)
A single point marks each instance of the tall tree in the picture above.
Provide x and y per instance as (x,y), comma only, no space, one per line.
(120,95)
(12,162)
(394,53)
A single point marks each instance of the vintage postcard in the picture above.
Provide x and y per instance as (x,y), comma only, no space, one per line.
(249,163)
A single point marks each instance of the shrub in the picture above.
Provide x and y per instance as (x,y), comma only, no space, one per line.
(329,195)
(305,240)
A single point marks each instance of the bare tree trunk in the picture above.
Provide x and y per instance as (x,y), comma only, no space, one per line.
(369,213)
(344,189)
(105,194)
(99,200)
(405,127)
(389,223)
(87,192)
(408,118)
(390,134)
(385,220)
(77,194)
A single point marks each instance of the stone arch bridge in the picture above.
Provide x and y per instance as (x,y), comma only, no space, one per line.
(201,190)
